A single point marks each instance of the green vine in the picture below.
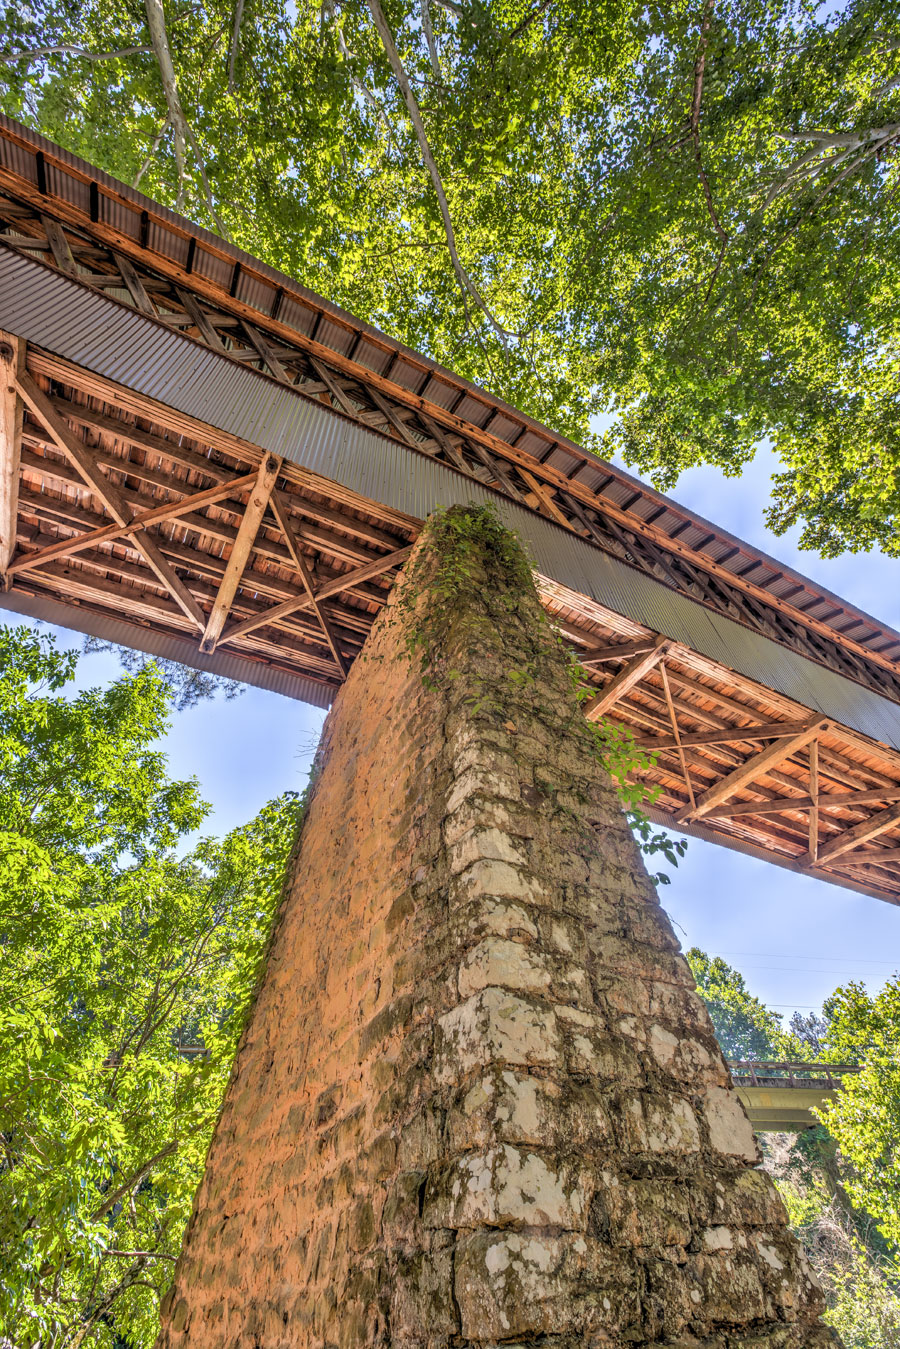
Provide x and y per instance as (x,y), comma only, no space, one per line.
(466,549)
(463,543)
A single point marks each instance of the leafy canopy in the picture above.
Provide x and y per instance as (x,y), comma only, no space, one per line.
(115,954)
(864,1118)
(684,214)
(745,1027)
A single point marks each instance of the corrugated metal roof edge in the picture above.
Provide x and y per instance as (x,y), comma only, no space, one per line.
(167,647)
(10,126)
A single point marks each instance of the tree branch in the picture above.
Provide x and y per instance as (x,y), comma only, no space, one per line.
(529,19)
(35,52)
(181,128)
(467,285)
(364,89)
(696,102)
(425,9)
(152,151)
(235,41)
(813,162)
(156,21)
(134,1179)
(144,1255)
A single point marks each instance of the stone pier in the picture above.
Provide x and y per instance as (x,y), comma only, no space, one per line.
(478,1100)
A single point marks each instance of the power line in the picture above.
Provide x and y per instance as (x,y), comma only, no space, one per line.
(796,955)
(776,955)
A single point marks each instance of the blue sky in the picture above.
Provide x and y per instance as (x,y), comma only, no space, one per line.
(794,938)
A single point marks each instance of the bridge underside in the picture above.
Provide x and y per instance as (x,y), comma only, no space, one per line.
(203,461)
(782,1110)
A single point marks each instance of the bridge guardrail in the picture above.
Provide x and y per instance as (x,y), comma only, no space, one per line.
(768,1073)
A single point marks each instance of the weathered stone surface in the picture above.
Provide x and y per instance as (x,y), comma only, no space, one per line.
(478,1102)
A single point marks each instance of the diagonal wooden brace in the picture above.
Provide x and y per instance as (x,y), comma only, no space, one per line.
(240,550)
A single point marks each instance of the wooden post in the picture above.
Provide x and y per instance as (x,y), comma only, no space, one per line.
(12,360)
(814,793)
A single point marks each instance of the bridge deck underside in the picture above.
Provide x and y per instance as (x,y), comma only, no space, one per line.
(135,520)
(783,1109)
(703,725)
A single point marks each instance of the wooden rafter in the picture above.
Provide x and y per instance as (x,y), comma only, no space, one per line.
(282,515)
(347,582)
(674,720)
(819,801)
(851,838)
(260,493)
(728,735)
(813,826)
(169,510)
(626,679)
(85,462)
(754,767)
(882,857)
(599,655)
(12,360)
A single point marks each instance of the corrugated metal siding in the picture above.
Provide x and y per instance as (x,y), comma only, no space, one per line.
(118,630)
(69,319)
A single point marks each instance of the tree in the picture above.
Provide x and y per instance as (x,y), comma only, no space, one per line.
(839,1182)
(683,213)
(116,954)
(745,1028)
(864,1118)
(185,686)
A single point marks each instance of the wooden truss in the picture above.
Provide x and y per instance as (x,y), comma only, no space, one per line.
(748,765)
(128,508)
(197,538)
(123,508)
(399,401)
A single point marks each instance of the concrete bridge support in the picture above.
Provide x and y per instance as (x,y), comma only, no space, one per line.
(478,1100)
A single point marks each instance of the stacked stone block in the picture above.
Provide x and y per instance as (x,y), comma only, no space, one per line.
(479,1101)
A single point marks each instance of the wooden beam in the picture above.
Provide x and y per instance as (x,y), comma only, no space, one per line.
(84,461)
(334,388)
(240,550)
(282,515)
(200,319)
(851,838)
(674,720)
(728,735)
(59,245)
(12,360)
(626,679)
(599,655)
(394,420)
(134,285)
(544,493)
(497,469)
(778,804)
(437,433)
(814,800)
(169,510)
(266,354)
(279,611)
(889,856)
(753,768)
